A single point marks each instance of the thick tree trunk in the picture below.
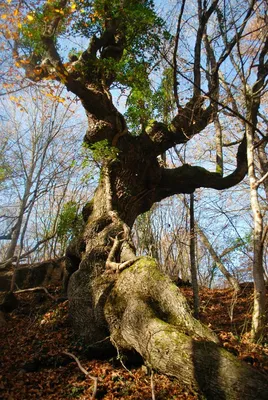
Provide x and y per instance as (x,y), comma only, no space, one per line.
(138,309)
(146,312)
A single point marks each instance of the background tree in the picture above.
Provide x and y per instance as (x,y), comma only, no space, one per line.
(35,165)
(252,80)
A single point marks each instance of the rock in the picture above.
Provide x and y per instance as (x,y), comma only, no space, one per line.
(46,273)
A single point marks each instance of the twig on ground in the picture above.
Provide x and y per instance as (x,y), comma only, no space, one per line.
(152,385)
(84,372)
(119,357)
(36,289)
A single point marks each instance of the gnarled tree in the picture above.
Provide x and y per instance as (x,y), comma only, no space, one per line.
(112,293)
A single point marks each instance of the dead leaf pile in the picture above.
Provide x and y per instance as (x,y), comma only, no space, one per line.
(33,366)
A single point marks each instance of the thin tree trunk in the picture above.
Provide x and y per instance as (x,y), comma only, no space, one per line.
(219,151)
(216,258)
(258,316)
(193,257)
(16,233)
(263,159)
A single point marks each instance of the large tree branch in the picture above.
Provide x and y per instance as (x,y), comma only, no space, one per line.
(189,121)
(186,179)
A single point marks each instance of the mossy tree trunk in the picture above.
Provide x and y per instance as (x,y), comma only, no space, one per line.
(119,300)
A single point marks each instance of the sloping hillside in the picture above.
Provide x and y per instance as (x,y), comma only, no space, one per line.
(33,340)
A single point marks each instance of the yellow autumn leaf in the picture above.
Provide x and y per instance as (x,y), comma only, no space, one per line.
(16,12)
(19,25)
(4,16)
(30,17)
(73,6)
(25,61)
(13,98)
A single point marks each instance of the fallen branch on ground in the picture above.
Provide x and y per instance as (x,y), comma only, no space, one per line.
(37,289)
(152,385)
(84,372)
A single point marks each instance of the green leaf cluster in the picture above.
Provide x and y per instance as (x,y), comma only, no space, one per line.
(139,102)
(144,104)
(5,172)
(137,19)
(102,151)
(70,222)
(2,175)
(164,101)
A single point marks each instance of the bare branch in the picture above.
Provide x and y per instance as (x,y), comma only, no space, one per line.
(260,181)
(84,372)
(265,232)
(8,236)
(27,253)
(229,47)
(36,289)
(231,143)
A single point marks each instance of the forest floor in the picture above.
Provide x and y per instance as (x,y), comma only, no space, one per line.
(33,366)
